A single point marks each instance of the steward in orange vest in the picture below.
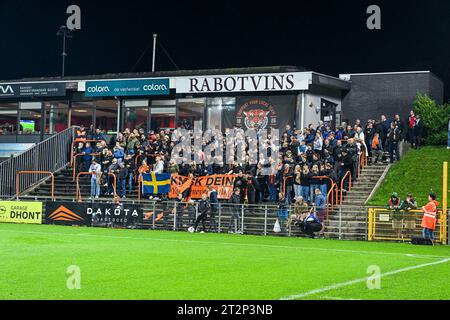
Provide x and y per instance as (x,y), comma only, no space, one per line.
(429,217)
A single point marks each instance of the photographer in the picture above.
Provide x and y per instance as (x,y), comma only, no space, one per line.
(309,223)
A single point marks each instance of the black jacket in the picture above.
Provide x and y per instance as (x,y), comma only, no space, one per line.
(418,128)
(394,135)
(203,206)
(235,198)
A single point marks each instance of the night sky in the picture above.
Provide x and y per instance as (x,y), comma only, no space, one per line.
(325,36)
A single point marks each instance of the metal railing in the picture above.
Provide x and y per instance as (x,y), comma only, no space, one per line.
(400,225)
(47,173)
(51,155)
(78,195)
(348,175)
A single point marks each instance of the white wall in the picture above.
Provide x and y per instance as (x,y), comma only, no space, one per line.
(313,97)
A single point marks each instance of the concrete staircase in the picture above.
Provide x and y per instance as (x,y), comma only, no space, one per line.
(349,221)
(362,188)
(65,187)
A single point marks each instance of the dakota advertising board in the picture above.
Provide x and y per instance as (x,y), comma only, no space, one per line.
(92,214)
(223,183)
(21,212)
(140,87)
(32,90)
(245,83)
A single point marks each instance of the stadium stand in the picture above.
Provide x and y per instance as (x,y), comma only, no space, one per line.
(337,160)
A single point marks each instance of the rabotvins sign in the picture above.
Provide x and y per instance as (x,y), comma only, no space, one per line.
(21,212)
(92,214)
(245,83)
(138,87)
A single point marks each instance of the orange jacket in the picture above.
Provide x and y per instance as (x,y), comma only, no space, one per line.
(375,143)
(80,136)
(143,169)
(429,215)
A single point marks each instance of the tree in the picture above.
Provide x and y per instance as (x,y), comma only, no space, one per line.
(435,119)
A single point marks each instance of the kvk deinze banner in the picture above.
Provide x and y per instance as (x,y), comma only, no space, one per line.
(21,212)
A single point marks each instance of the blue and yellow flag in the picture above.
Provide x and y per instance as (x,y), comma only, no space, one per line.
(155,183)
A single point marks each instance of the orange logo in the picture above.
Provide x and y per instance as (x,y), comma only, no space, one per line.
(64,214)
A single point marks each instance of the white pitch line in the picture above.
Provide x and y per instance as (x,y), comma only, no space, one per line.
(231,243)
(337,298)
(348,283)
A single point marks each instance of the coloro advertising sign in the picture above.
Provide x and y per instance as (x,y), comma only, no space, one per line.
(140,87)
(21,212)
(245,83)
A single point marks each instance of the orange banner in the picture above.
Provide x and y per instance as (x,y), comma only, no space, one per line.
(223,183)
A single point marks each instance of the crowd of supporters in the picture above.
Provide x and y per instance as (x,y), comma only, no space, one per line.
(308,158)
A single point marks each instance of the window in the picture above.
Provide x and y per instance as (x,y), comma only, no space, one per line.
(30,117)
(162,115)
(106,115)
(190,111)
(56,116)
(216,111)
(8,118)
(82,113)
(135,114)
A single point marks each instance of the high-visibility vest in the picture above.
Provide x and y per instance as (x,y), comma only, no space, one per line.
(429,215)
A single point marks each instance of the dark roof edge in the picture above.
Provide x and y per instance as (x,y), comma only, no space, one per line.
(178,73)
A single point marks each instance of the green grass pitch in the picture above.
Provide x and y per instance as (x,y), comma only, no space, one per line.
(143,264)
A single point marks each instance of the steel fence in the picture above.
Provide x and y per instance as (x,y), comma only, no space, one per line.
(51,155)
(400,225)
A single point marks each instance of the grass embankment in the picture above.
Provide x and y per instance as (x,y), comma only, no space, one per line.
(418,172)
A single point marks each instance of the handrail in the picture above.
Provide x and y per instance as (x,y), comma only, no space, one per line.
(362,161)
(137,158)
(330,192)
(139,187)
(284,183)
(331,184)
(34,172)
(78,192)
(349,174)
(333,192)
(116,198)
(154,155)
(73,145)
(74,168)
(318,177)
(51,154)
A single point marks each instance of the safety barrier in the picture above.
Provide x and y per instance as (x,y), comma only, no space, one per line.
(74,167)
(72,146)
(139,187)
(334,195)
(349,175)
(34,173)
(397,225)
(78,191)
